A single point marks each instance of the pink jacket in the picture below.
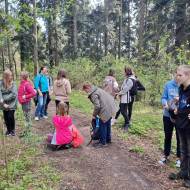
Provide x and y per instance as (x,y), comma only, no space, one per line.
(63,135)
(25,88)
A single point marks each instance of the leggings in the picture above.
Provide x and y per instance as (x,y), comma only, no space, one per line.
(9,120)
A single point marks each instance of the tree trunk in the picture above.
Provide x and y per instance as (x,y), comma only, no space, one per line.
(56,55)
(35,40)
(9,41)
(1,48)
(120,30)
(141,31)
(129,30)
(74,13)
(106,26)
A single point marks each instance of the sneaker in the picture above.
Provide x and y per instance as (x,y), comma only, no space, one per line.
(177,176)
(45,117)
(164,160)
(67,146)
(187,183)
(127,127)
(99,145)
(36,118)
(178,163)
(7,134)
(13,133)
(113,121)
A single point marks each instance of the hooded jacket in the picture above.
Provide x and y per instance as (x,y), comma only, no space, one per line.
(104,103)
(26,89)
(62,89)
(62,124)
(182,120)
(9,96)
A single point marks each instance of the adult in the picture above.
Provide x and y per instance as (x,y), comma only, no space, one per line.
(110,83)
(62,88)
(170,91)
(41,85)
(8,101)
(125,97)
(105,107)
(50,90)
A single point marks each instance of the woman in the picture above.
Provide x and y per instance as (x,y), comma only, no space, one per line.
(125,97)
(62,88)
(8,101)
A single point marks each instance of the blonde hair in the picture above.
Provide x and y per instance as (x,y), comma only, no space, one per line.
(25,76)
(62,109)
(5,80)
(86,85)
(184,68)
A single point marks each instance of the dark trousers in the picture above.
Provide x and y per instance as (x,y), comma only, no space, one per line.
(48,100)
(105,131)
(184,137)
(56,104)
(124,112)
(168,130)
(130,107)
(9,120)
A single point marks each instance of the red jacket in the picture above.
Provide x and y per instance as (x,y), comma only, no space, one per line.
(25,88)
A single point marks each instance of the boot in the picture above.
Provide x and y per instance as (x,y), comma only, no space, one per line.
(127,127)
(187,183)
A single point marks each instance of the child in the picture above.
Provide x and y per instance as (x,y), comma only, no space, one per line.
(62,88)
(183,123)
(104,107)
(25,93)
(8,101)
(63,127)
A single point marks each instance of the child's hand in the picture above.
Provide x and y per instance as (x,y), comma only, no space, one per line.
(24,97)
(175,111)
(189,116)
(1,100)
(93,117)
(166,106)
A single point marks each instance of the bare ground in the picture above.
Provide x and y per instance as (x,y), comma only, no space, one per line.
(113,167)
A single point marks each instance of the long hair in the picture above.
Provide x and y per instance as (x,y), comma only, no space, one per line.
(111,72)
(62,109)
(62,73)
(25,76)
(128,71)
(5,80)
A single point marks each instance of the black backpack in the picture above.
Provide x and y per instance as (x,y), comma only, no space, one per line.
(94,131)
(134,90)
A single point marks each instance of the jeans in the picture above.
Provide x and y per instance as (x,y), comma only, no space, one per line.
(105,131)
(124,112)
(168,130)
(9,120)
(41,105)
(184,137)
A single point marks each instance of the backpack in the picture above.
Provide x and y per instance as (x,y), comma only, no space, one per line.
(134,90)
(94,131)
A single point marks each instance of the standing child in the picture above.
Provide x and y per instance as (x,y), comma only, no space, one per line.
(63,126)
(183,123)
(8,101)
(25,93)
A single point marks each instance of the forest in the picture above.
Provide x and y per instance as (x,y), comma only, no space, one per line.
(88,38)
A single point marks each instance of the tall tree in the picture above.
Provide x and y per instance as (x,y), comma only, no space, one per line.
(35,40)
(120,30)
(8,40)
(74,14)
(106,26)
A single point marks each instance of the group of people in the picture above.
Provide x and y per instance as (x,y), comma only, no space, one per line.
(105,107)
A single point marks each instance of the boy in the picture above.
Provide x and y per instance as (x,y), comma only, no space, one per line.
(105,107)
(183,123)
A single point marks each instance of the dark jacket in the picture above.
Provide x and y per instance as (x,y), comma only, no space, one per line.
(182,120)
(104,103)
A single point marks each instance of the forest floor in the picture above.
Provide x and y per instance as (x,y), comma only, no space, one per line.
(108,168)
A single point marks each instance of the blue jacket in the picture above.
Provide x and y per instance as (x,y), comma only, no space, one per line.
(43,83)
(170,91)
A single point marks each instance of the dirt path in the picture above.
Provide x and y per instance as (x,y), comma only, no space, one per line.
(110,168)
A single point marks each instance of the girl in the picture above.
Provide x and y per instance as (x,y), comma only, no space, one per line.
(8,101)
(62,88)
(25,93)
(125,97)
(63,126)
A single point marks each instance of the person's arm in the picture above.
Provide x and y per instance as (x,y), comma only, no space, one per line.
(13,93)
(36,84)
(140,86)
(127,86)
(164,98)
(68,88)
(95,100)
(29,88)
